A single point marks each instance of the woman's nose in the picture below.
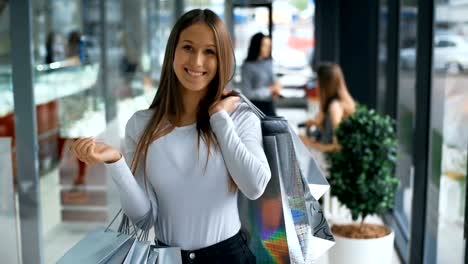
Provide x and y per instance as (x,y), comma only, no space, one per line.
(197,58)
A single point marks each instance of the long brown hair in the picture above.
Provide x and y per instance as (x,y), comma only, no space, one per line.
(168,104)
(330,78)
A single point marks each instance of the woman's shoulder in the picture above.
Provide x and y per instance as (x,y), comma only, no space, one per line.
(335,104)
(142,115)
(243,113)
(336,107)
(138,121)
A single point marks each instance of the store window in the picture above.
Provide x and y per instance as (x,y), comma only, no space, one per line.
(406,107)
(69,104)
(292,35)
(293,39)
(449,81)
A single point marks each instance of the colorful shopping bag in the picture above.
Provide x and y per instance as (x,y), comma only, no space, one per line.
(286,224)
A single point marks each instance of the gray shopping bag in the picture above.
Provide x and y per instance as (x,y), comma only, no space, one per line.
(138,253)
(99,246)
(152,256)
(103,245)
(164,255)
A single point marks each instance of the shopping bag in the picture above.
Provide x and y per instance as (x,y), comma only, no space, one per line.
(286,224)
(164,255)
(105,245)
(152,256)
(138,253)
(99,246)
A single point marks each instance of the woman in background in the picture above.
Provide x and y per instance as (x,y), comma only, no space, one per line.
(336,104)
(259,82)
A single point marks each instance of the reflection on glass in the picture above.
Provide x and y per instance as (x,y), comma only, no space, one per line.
(406,112)
(450,79)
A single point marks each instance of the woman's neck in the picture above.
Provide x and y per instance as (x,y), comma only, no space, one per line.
(191,100)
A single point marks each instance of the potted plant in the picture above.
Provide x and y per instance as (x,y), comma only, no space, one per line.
(362,178)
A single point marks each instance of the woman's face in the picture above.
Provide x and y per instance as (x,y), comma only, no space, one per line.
(265,48)
(195,60)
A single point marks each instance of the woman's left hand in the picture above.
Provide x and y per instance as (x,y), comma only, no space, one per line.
(229,103)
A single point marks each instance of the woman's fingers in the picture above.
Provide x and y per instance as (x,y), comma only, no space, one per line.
(89,151)
(80,149)
(90,155)
(83,145)
(231,103)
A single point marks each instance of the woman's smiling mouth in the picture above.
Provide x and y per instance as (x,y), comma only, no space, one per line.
(194,73)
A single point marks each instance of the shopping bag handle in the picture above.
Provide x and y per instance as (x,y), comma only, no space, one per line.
(255,109)
(126,224)
(113,220)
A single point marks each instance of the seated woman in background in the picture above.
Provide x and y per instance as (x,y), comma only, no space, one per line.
(336,104)
(259,82)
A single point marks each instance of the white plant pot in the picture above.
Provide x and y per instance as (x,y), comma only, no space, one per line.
(362,251)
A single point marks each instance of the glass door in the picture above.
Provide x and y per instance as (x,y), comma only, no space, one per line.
(450,135)
(406,107)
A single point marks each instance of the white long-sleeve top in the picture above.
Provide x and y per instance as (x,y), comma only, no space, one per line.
(193,207)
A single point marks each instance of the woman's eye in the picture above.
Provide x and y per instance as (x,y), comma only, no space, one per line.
(210,52)
(187,47)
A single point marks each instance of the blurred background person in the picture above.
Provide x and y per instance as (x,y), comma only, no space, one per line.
(55,50)
(259,83)
(336,104)
(76,48)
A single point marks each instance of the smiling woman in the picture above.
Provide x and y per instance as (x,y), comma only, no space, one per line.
(191,185)
(195,60)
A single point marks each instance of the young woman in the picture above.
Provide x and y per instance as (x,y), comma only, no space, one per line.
(335,104)
(191,151)
(258,81)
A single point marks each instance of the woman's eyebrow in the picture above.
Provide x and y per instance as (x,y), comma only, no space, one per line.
(191,42)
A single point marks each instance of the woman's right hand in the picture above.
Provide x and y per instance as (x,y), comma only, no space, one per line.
(275,90)
(91,152)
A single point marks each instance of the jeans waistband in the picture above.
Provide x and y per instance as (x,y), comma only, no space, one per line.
(215,249)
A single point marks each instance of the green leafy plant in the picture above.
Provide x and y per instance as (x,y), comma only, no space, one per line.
(362,172)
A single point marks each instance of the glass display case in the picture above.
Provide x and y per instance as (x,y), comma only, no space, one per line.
(66,106)
(80,109)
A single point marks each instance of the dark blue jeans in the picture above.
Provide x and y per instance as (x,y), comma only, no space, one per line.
(233,250)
